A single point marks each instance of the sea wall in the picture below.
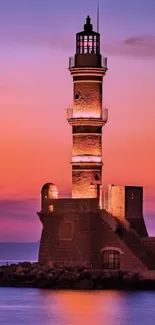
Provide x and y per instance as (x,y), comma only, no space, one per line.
(36,275)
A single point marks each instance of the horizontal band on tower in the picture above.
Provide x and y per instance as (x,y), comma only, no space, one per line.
(87,74)
(87,158)
(88,71)
(84,164)
(85,168)
(88,77)
(90,81)
(87,129)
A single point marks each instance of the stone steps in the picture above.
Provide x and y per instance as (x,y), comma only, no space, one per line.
(136,244)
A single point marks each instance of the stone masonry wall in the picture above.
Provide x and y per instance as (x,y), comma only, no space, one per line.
(90,98)
(150,243)
(69,205)
(82,242)
(133,202)
(82,183)
(104,236)
(117,201)
(74,249)
(85,144)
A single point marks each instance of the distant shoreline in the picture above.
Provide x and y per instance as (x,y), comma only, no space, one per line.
(35,275)
(16,252)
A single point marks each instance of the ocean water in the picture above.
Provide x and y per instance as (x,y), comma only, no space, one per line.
(46,307)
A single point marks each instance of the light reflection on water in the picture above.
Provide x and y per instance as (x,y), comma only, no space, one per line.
(42,307)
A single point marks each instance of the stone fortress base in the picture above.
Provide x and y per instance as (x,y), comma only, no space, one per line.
(79,232)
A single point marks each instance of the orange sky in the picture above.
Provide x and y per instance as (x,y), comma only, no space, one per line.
(36,138)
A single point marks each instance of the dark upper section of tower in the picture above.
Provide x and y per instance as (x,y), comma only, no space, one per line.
(88,41)
(88,49)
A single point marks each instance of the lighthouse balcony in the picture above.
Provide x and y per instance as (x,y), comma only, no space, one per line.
(87,159)
(86,60)
(86,118)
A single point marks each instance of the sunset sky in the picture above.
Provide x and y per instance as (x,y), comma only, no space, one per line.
(36,39)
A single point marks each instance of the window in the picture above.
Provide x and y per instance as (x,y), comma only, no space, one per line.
(77,96)
(97,176)
(51,208)
(111,259)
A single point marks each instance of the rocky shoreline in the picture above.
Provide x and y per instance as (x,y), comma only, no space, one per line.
(35,275)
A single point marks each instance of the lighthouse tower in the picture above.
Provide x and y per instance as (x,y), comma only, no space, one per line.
(87,117)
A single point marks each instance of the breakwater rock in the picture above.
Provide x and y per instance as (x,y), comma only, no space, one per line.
(35,275)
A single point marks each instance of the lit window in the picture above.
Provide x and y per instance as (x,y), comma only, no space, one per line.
(51,208)
(132,196)
(111,260)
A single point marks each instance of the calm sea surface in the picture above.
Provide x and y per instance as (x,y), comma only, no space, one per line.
(42,307)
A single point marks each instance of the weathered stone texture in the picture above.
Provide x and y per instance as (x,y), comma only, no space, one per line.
(126,203)
(69,205)
(133,202)
(150,243)
(90,235)
(83,183)
(90,98)
(85,144)
(117,201)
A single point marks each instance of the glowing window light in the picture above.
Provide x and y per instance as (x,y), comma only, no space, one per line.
(86,159)
(51,208)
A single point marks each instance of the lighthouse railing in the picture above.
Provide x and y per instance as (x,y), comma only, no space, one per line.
(105,115)
(103,62)
(69,113)
(71,62)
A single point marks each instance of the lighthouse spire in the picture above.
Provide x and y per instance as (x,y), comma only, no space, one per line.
(98,17)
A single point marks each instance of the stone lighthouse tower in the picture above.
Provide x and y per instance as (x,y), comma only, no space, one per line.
(78,231)
(87,117)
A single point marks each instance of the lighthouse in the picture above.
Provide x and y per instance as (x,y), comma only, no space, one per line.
(87,115)
(79,231)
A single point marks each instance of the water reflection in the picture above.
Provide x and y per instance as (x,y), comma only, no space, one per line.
(96,307)
(46,307)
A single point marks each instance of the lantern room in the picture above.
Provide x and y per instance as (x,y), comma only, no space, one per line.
(88,41)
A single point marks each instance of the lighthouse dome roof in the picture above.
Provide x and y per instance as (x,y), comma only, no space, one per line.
(49,186)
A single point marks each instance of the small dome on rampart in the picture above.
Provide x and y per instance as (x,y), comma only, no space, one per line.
(49,186)
(51,189)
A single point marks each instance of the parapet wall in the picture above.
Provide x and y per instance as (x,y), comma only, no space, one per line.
(70,204)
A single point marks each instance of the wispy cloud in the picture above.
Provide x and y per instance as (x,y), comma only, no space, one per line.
(19,209)
(19,221)
(138,46)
